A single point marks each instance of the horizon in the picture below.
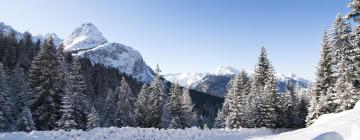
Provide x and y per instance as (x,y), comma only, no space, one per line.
(197,37)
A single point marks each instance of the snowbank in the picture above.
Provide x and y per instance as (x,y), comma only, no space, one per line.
(140,134)
(336,126)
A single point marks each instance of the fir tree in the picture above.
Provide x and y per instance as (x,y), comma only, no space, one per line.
(125,113)
(237,101)
(67,120)
(92,119)
(175,107)
(77,89)
(156,99)
(290,106)
(5,106)
(141,107)
(110,109)
(43,81)
(25,121)
(188,115)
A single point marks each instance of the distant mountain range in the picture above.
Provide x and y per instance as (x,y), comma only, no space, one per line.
(217,83)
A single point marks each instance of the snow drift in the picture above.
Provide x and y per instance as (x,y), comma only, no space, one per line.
(336,126)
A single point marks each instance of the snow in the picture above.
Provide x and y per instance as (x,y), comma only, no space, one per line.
(336,126)
(86,36)
(57,40)
(185,79)
(116,55)
(128,133)
(226,70)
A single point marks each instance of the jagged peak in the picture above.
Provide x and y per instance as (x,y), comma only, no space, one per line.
(86,36)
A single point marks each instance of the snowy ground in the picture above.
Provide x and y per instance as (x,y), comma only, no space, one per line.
(339,126)
(141,134)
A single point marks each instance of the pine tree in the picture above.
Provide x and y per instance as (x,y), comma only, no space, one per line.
(125,113)
(323,83)
(264,97)
(77,89)
(5,106)
(345,91)
(290,106)
(313,109)
(301,107)
(188,115)
(340,42)
(92,119)
(156,99)
(25,121)
(110,109)
(67,120)
(43,82)
(237,101)
(175,107)
(141,107)
(222,114)
(355,15)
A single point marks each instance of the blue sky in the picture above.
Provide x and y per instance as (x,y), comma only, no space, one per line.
(192,35)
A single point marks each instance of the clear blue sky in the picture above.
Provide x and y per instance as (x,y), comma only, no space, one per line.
(192,35)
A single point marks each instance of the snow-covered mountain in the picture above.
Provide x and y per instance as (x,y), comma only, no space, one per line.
(126,59)
(87,41)
(86,36)
(216,83)
(19,35)
(185,79)
(226,70)
(57,40)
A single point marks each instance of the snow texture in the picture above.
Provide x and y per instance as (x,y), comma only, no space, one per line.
(336,126)
(185,79)
(128,133)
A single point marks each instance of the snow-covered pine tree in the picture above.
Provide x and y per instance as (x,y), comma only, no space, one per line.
(175,107)
(258,81)
(43,82)
(237,96)
(301,107)
(110,109)
(188,115)
(345,91)
(355,15)
(67,120)
(290,110)
(323,83)
(25,121)
(125,105)
(92,119)
(313,109)
(222,114)
(340,44)
(156,99)
(76,86)
(141,107)
(5,106)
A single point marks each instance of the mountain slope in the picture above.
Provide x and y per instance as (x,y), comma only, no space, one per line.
(87,41)
(125,59)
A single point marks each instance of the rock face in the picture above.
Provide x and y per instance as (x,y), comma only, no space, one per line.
(87,41)
(116,55)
